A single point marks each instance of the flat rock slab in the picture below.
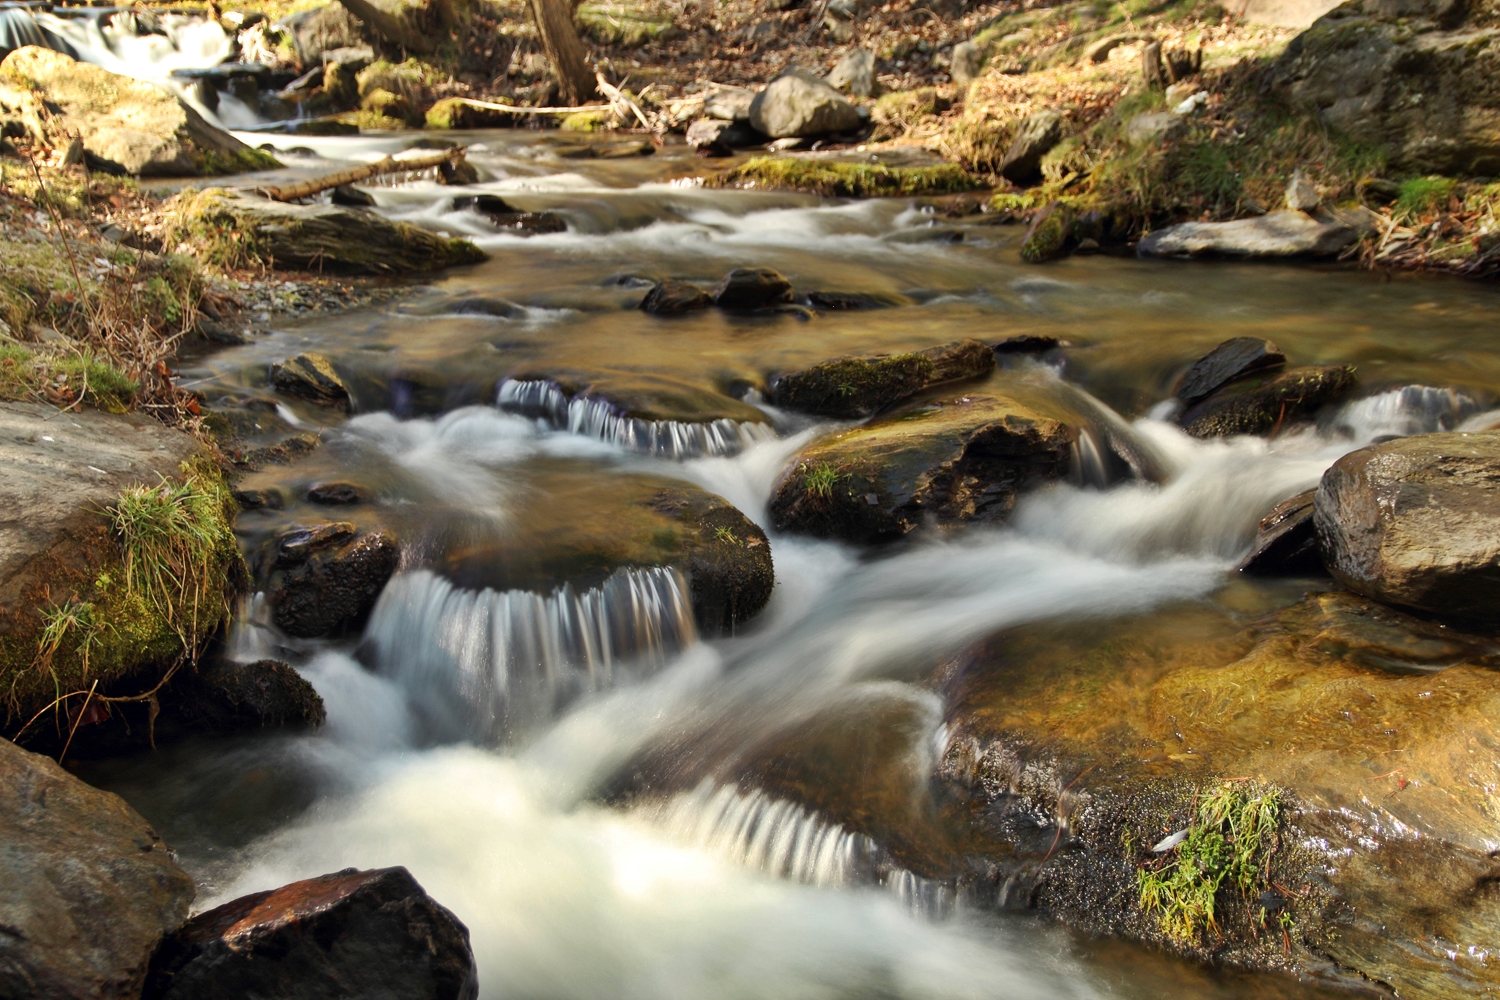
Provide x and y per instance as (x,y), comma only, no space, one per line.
(858,387)
(348,934)
(1276,234)
(87,888)
(61,471)
(1416,522)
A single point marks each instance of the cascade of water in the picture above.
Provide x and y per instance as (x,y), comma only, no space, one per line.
(600,419)
(250,631)
(790,841)
(1412,409)
(484,662)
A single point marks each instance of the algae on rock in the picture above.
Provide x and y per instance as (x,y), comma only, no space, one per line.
(835,179)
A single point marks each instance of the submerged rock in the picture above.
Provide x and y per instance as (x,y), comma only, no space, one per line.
(324,580)
(747,288)
(1276,234)
(858,387)
(226,697)
(671,297)
(1082,746)
(1416,522)
(87,888)
(128,126)
(321,237)
(498,211)
(1232,360)
(1286,544)
(798,103)
(1263,404)
(353,933)
(337,493)
(949,458)
(311,377)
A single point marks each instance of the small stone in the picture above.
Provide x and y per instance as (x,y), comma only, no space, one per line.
(1301,193)
(331,590)
(293,547)
(747,288)
(269,499)
(1027,343)
(349,934)
(312,377)
(965,64)
(1153,126)
(499,212)
(337,493)
(1286,544)
(1231,360)
(671,297)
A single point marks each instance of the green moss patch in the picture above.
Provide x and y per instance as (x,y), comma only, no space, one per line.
(846,180)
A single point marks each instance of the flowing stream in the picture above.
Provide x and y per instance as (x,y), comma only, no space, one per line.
(486,736)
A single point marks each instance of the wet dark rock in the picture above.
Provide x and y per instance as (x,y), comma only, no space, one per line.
(87,888)
(800,104)
(485,305)
(727,558)
(747,288)
(227,697)
(219,332)
(1231,360)
(1266,403)
(311,377)
(326,579)
(282,452)
(267,499)
(1415,522)
(1273,235)
(351,197)
(845,301)
(352,933)
(1035,138)
(1286,544)
(670,297)
(949,458)
(499,212)
(858,387)
(337,493)
(1027,343)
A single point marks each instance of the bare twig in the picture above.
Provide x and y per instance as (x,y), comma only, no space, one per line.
(388,165)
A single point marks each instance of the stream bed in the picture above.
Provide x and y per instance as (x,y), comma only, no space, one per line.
(619,806)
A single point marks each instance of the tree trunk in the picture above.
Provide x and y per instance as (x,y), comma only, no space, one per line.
(554,21)
(1151,67)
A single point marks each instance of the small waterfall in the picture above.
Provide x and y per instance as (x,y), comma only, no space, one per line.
(486,661)
(790,841)
(1412,409)
(250,631)
(597,418)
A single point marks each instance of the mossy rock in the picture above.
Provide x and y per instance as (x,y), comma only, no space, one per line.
(371,121)
(388,105)
(946,457)
(583,121)
(1363,721)
(577,527)
(1264,403)
(74,608)
(1047,238)
(859,387)
(128,126)
(834,179)
(235,228)
(457,113)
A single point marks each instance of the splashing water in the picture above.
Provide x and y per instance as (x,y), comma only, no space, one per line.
(601,420)
(479,662)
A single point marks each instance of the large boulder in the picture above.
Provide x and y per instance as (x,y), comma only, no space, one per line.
(747,288)
(1263,404)
(798,103)
(859,387)
(1093,764)
(1416,522)
(87,888)
(1274,235)
(1418,79)
(318,237)
(57,548)
(349,934)
(948,458)
(128,126)
(854,73)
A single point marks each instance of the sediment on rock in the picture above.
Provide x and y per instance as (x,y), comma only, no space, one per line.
(858,387)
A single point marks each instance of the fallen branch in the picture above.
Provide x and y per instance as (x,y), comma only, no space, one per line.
(389,165)
(515,110)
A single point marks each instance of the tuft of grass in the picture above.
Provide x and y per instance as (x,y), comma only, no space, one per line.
(1423,196)
(1228,841)
(820,479)
(845,180)
(726,535)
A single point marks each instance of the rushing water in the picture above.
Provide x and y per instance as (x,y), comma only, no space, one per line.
(491,737)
